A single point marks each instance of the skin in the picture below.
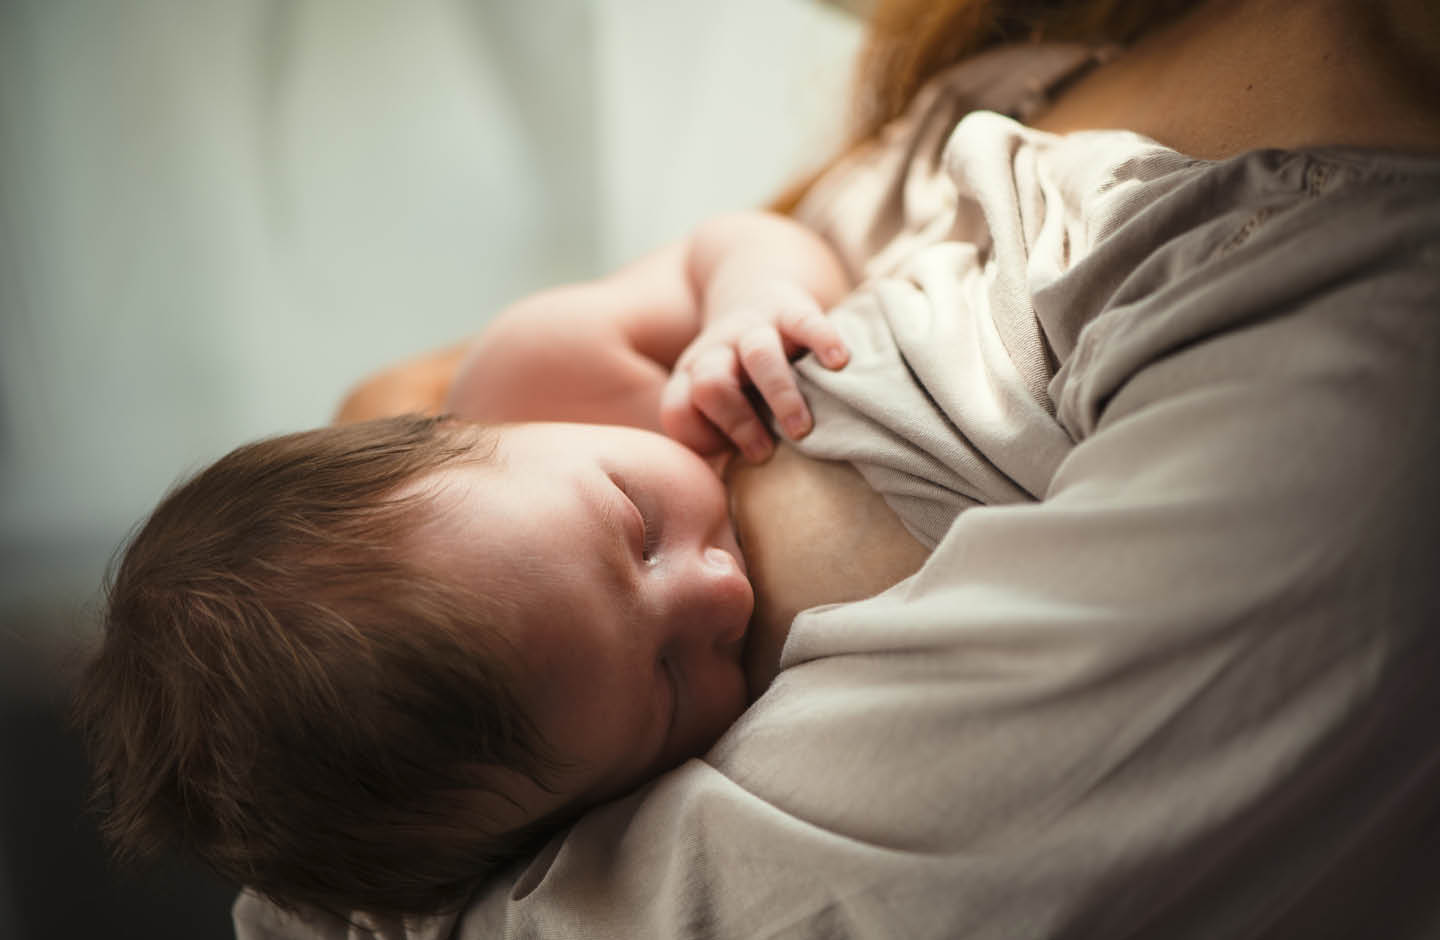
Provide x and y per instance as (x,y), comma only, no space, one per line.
(840,542)
(1239,75)
(636,649)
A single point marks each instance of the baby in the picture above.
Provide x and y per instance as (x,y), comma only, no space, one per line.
(362,667)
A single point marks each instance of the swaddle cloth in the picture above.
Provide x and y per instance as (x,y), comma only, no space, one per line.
(1169,670)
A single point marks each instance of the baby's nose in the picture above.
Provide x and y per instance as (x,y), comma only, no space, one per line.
(721,560)
(716,598)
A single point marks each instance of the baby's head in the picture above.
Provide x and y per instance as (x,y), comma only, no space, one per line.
(362,667)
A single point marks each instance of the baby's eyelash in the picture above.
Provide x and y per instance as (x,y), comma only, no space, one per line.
(650,537)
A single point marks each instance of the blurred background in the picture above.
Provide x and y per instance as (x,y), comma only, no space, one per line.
(216,215)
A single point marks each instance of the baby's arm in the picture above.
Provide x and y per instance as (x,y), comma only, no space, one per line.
(603,351)
(597,352)
(764,283)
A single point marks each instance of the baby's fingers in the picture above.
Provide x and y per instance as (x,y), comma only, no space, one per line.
(763,359)
(680,419)
(716,391)
(807,327)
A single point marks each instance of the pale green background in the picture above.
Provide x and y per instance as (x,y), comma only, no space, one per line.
(217,214)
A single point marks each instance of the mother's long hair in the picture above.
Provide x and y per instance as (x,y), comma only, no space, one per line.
(907,42)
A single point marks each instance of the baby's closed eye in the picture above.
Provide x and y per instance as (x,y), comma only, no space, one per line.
(649,527)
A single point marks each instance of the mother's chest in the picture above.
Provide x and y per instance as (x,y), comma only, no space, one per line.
(813,532)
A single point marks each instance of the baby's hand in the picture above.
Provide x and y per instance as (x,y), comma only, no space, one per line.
(750,344)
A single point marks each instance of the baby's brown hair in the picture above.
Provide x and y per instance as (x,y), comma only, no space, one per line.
(280,692)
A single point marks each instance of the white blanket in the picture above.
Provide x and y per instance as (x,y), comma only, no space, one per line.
(1171,668)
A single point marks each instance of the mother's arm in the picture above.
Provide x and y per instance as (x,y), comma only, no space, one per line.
(1187,694)
(418,385)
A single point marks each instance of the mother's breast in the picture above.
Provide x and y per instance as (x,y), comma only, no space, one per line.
(813,532)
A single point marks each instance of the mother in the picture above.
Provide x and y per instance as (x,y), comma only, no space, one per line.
(1172,671)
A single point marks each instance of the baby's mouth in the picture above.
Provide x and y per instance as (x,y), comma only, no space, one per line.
(721,463)
(734,530)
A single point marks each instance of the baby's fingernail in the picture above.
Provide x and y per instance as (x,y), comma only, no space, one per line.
(835,356)
(797,426)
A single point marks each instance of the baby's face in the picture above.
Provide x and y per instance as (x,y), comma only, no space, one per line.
(619,543)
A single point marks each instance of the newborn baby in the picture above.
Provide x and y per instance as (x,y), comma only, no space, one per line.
(361,667)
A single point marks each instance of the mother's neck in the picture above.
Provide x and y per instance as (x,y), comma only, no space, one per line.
(1236,75)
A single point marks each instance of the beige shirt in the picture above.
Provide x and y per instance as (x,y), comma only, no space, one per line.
(1170,669)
